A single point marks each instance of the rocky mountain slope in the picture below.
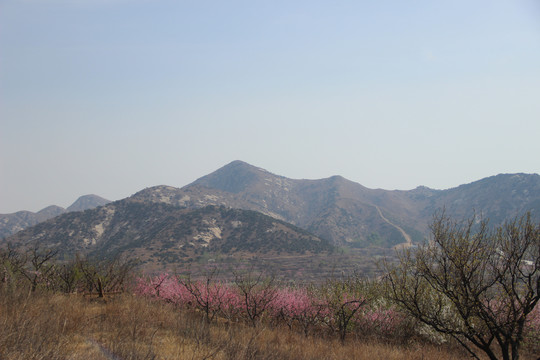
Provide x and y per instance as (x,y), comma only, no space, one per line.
(345,212)
(12,223)
(497,198)
(163,233)
(327,207)
(334,209)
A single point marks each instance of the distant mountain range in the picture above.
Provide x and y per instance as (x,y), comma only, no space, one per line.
(12,223)
(243,208)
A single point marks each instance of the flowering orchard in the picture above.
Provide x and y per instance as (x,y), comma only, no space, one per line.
(337,306)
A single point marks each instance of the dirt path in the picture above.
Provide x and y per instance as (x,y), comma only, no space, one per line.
(408,241)
(100,351)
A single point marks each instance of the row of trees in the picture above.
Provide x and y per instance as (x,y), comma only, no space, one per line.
(39,268)
(339,305)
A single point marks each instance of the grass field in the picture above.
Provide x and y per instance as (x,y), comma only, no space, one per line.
(56,326)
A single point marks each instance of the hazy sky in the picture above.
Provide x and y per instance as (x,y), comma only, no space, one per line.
(112,96)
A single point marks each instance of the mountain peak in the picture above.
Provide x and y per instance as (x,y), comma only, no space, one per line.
(87,202)
(234,177)
(49,212)
(238,163)
(12,223)
(242,166)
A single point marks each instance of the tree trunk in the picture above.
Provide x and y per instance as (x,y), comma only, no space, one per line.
(100,288)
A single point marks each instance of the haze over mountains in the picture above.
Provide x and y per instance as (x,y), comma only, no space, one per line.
(243,208)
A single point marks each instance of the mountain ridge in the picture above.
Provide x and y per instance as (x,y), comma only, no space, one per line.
(345,212)
(159,234)
(20,220)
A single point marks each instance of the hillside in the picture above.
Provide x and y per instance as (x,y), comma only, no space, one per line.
(334,208)
(345,212)
(497,197)
(159,233)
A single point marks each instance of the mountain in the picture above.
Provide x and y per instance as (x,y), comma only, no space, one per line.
(346,212)
(335,209)
(12,223)
(160,233)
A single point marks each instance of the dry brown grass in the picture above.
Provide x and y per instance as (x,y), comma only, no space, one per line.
(49,326)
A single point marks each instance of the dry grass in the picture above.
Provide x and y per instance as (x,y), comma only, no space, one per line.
(49,326)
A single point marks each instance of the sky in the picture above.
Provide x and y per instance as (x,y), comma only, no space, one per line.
(109,97)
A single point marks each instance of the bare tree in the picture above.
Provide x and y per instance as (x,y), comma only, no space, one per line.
(105,276)
(209,294)
(343,298)
(67,277)
(11,263)
(36,265)
(477,285)
(257,293)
